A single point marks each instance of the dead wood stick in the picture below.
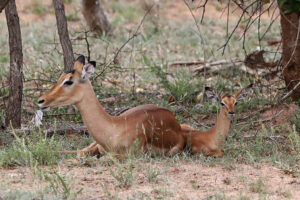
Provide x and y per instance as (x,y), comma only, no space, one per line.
(219,62)
(187,63)
(252,114)
(290,92)
(248,70)
(210,69)
(264,120)
(50,131)
(272,137)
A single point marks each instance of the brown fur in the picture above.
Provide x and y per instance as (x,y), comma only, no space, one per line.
(210,142)
(155,128)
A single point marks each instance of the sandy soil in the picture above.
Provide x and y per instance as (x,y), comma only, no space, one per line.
(185,181)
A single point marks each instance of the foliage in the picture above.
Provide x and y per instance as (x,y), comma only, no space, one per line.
(258,186)
(123,173)
(58,184)
(295,119)
(155,46)
(181,88)
(29,151)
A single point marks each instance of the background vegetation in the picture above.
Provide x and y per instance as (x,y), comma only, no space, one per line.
(264,137)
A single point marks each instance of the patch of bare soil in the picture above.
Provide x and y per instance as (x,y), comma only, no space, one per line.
(176,10)
(185,181)
(280,114)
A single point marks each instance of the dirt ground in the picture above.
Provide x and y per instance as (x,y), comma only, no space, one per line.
(187,181)
(184,180)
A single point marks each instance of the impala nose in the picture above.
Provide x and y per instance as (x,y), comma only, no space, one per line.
(231,115)
(41,101)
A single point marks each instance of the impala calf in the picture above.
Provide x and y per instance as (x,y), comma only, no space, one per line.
(154,127)
(209,142)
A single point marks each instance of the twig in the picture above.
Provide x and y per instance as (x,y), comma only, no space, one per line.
(261,121)
(290,92)
(221,62)
(187,63)
(127,41)
(272,137)
(50,131)
(87,45)
(206,66)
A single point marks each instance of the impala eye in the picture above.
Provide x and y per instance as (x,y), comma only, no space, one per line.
(222,104)
(68,83)
(235,103)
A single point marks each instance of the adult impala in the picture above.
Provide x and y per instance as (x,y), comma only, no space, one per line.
(154,127)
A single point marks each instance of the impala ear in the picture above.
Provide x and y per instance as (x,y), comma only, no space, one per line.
(212,94)
(93,63)
(87,70)
(81,59)
(243,92)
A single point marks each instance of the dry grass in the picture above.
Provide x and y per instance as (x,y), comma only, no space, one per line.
(256,165)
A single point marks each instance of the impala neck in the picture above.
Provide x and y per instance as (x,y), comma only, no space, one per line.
(100,124)
(218,132)
(222,125)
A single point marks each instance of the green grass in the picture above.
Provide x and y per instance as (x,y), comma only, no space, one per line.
(148,56)
(54,186)
(28,151)
(258,186)
(40,8)
(295,119)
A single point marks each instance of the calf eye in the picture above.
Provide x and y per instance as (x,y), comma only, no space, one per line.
(222,104)
(68,83)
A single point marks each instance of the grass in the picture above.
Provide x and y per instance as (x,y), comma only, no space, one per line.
(56,187)
(39,8)
(258,186)
(295,119)
(147,57)
(26,151)
(124,174)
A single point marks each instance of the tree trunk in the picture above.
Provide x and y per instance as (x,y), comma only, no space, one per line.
(291,51)
(63,33)
(3,3)
(95,16)
(13,108)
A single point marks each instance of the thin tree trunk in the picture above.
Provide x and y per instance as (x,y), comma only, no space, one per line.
(13,109)
(3,3)
(291,51)
(95,16)
(63,33)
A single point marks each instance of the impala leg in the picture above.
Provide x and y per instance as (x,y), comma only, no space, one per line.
(177,148)
(101,150)
(91,149)
(216,153)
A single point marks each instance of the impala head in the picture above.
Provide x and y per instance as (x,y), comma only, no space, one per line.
(228,101)
(69,88)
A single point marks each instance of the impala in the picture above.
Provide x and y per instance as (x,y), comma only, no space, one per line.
(210,142)
(155,128)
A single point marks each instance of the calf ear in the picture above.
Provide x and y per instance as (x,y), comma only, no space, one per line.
(243,92)
(87,70)
(212,94)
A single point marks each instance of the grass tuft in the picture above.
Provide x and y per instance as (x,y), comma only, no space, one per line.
(30,150)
